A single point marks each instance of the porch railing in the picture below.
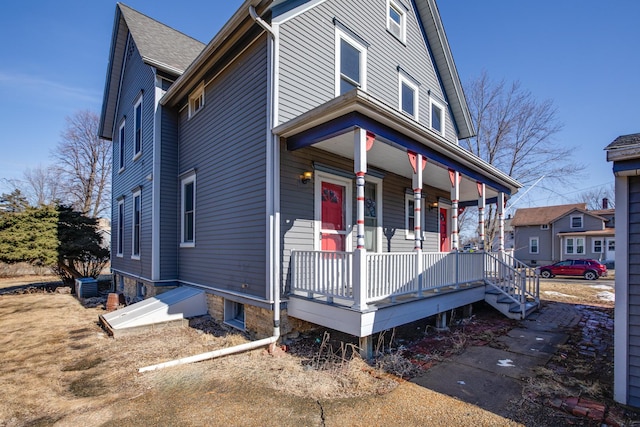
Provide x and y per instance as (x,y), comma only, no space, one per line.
(512,278)
(388,275)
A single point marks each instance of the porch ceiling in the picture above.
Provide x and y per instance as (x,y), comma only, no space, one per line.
(385,155)
(330,127)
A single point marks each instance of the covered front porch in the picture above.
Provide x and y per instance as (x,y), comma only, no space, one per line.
(330,288)
(357,266)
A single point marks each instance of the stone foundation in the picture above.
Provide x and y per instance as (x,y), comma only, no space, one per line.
(259,321)
(134,293)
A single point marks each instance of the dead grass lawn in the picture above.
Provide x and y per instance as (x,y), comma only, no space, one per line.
(600,293)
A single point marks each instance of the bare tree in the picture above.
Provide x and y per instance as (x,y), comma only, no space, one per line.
(41,185)
(84,164)
(594,198)
(515,134)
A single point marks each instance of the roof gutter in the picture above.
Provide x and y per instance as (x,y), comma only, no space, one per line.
(227,31)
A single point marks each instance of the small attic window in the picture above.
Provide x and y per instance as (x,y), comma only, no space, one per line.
(196,100)
(396,20)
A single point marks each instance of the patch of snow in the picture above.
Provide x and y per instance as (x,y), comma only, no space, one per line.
(605,287)
(461,383)
(539,339)
(606,296)
(505,363)
(558,294)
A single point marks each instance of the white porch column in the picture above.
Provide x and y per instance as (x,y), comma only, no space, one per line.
(454,176)
(481,205)
(361,141)
(417,163)
(501,202)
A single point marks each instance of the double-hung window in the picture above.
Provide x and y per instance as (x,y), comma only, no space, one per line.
(121,146)
(137,126)
(120,225)
(410,216)
(408,94)
(136,221)
(437,117)
(597,246)
(396,20)
(576,221)
(188,211)
(574,246)
(351,62)
(534,245)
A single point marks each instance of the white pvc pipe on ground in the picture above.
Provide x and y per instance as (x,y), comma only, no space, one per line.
(212,354)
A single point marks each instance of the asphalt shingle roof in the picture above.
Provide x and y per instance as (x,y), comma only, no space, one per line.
(543,215)
(625,141)
(159,44)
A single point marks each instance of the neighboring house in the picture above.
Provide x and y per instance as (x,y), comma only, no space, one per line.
(309,152)
(549,234)
(624,152)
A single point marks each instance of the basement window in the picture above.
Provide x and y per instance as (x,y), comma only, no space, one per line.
(234,314)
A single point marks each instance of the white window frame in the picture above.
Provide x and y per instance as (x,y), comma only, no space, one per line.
(544,226)
(537,241)
(121,145)
(190,179)
(409,232)
(137,125)
(593,246)
(379,210)
(571,218)
(403,80)
(120,230)
(437,104)
(391,23)
(342,35)
(136,195)
(609,243)
(196,100)
(574,246)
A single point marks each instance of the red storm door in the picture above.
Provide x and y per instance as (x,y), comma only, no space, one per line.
(444,236)
(333,221)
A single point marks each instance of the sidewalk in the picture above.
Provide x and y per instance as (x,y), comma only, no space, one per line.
(489,377)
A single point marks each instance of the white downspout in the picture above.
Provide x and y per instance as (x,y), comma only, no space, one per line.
(273,278)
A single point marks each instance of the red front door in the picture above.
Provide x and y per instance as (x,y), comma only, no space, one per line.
(444,236)
(333,230)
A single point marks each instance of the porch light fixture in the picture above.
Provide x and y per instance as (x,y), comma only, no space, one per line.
(432,206)
(306,177)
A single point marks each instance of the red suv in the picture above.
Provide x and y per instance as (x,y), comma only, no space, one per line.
(590,269)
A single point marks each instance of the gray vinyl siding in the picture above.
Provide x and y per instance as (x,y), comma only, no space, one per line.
(297,206)
(169,196)
(138,79)
(225,144)
(634,291)
(589,222)
(307,57)
(522,235)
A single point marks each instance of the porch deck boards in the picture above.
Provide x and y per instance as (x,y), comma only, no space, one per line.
(384,314)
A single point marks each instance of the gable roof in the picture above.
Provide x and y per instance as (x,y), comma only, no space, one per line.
(543,215)
(446,67)
(159,46)
(433,31)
